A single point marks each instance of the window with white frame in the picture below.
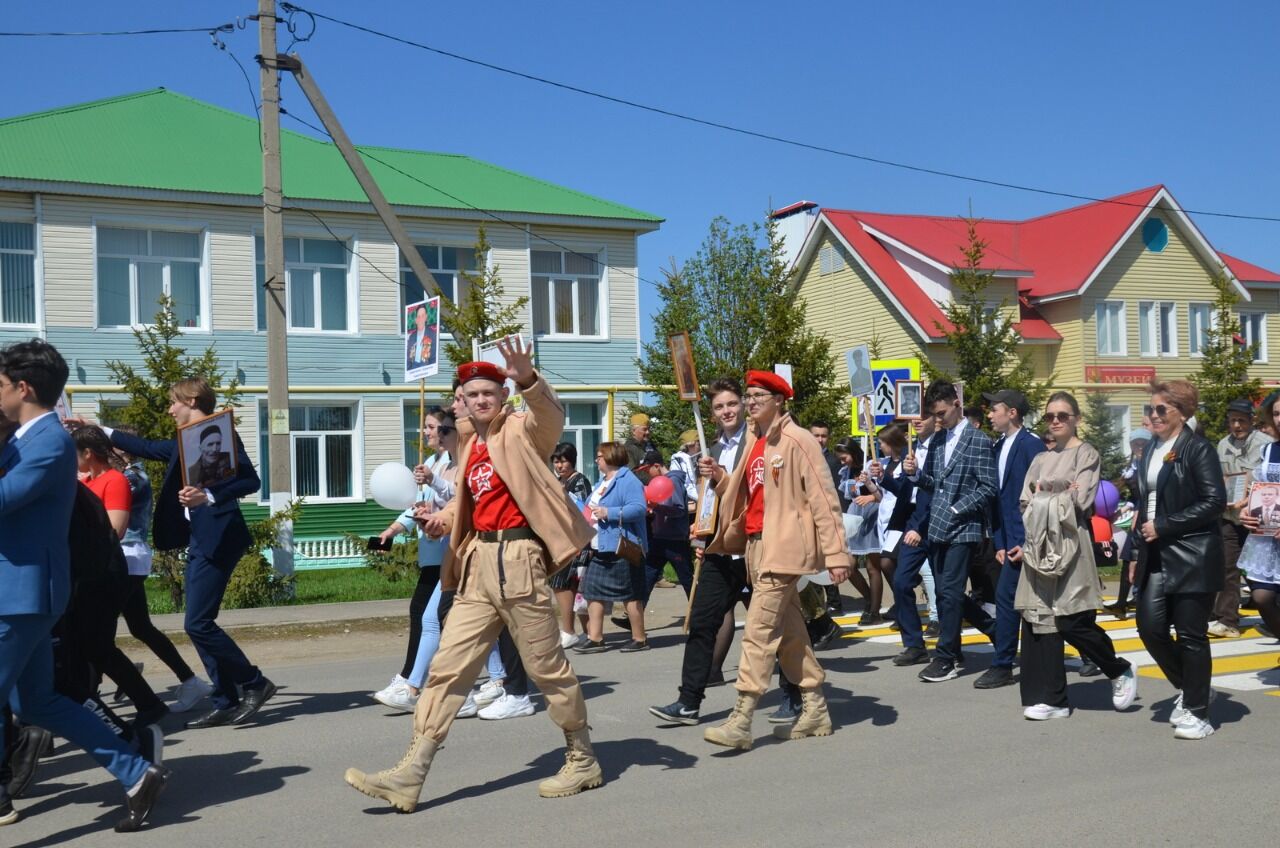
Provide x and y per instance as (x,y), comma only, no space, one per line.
(137,266)
(1199,320)
(1253,328)
(446,265)
(410,418)
(323,441)
(17,273)
(1157,329)
(584,429)
(1119,413)
(1111,331)
(566,293)
(317,280)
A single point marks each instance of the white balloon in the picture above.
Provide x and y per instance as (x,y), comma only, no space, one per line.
(392,486)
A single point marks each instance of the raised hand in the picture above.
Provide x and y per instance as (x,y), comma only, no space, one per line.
(519,357)
(909,464)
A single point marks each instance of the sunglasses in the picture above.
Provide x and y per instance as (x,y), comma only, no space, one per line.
(1160,410)
(1059,417)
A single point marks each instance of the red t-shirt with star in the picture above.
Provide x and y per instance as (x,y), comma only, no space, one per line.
(495,509)
(755,488)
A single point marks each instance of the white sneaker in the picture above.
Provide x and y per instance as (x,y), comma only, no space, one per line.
(1179,715)
(1124,689)
(469,708)
(396,683)
(508,706)
(397,697)
(567,640)
(488,693)
(1218,630)
(190,693)
(1044,712)
(1192,727)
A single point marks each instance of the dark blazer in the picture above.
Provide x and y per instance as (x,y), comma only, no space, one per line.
(963,489)
(901,488)
(217,530)
(1190,497)
(1006,527)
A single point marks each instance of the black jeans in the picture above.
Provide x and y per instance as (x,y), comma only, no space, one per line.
(517,681)
(720,586)
(138,619)
(91,625)
(662,551)
(428,577)
(1044,679)
(1186,662)
(950,564)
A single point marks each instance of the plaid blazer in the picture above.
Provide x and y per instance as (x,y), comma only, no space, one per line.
(964,489)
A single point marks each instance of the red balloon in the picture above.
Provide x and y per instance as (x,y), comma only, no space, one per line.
(1101,529)
(659,489)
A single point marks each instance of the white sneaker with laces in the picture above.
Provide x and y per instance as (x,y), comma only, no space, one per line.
(488,693)
(567,640)
(190,692)
(1179,714)
(399,698)
(1218,630)
(1124,689)
(508,706)
(469,708)
(396,683)
(1192,727)
(1044,712)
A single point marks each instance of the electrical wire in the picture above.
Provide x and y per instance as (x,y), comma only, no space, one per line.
(227,27)
(757,134)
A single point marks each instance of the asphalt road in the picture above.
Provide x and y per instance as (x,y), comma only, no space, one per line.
(910,764)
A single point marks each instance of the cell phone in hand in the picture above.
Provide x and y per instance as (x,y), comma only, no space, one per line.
(377,544)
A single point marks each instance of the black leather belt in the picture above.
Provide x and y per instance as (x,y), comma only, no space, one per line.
(509,535)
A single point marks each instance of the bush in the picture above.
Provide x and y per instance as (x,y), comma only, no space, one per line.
(399,563)
(255,583)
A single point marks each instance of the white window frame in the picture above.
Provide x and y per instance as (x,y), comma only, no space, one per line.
(37,292)
(1195,348)
(602,258)
(586,464)
(1116,410)
(150,225)
(350,248)
(437,243)
(1100,309)
(410,403)
(357,447)
(1150,314)
(1262,327)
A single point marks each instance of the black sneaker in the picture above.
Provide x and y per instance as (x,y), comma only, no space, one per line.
(868,618)
(911,656)
(940,670)
(994,678)
(933,630)
(22,762)
(675,713)
(633,646)
(832,633)
(621,621)
(589,647)
(787,712)
(1089,668)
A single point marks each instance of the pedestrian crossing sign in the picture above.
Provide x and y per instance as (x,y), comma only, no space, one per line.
(884,374)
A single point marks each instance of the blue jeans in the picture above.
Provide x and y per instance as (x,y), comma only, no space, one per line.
(429,643)
(1008,621)
(228,667)
(930,590)
(950,562)
(26,684)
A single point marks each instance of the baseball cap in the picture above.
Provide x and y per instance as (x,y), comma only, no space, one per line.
(1009,397)
(1241,406)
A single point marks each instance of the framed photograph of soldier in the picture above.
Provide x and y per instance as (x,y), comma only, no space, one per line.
(1264,505)
(207,450)
(422,339)
(1235,486)
(704,515)
(682,366)
(858,361)
(908,400)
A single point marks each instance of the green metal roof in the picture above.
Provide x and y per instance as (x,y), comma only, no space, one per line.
(162,140)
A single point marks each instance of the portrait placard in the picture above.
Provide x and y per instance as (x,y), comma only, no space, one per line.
(207,450)
(422,339)
(704,516)
(682,366)
(909,399)
(1264,505)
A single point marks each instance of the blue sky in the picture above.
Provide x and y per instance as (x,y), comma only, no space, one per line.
(1092,98)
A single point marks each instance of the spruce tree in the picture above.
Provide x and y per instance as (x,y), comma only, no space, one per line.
(1103,431)
(482,313)
(1225,361)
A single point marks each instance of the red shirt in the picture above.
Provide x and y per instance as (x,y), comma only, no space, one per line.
(755,488)
(112,489)
(495,509)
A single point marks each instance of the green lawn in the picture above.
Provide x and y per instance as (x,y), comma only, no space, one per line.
(327,586)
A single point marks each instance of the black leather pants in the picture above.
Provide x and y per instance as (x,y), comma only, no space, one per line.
(1186,661)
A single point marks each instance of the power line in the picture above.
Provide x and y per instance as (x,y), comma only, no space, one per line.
(227,27)
(757,134)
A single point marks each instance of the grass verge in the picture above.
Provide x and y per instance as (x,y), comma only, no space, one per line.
(328,586)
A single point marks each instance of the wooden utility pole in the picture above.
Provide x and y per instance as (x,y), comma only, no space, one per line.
(280,469)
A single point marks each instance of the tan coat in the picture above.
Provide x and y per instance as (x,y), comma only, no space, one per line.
(520,446)
(803,530)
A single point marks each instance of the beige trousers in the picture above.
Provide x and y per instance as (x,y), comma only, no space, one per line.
(483,604)
(775,629)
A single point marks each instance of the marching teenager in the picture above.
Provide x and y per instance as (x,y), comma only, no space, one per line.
(1260,557)
(960,474)
(722,578)
(1058,591)
(509,525)
(782,512)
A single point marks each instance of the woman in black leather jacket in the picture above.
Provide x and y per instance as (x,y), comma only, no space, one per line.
(1181,495)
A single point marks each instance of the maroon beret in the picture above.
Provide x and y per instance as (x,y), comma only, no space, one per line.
(469,371)
(769,381)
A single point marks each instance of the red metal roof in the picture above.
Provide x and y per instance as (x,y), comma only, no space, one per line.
(1247,272)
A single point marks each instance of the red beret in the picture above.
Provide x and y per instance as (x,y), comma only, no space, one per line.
(770,381)
(469,371)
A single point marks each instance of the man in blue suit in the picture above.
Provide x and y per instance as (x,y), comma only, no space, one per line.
(207,521)
(37,491)
(960,472)
(1013,453)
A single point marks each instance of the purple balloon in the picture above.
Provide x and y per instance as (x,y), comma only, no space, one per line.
(1106,501)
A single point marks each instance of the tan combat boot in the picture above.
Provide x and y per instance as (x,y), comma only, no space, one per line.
(814,719)
(736,730)
(580,771)
(401,785)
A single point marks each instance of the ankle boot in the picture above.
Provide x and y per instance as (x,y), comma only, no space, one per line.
(580,772)
(814,719)
(736,730)
(400,786)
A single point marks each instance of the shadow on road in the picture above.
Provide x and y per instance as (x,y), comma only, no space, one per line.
(288,705)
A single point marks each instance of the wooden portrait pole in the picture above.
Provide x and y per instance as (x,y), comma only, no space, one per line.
(422,420)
